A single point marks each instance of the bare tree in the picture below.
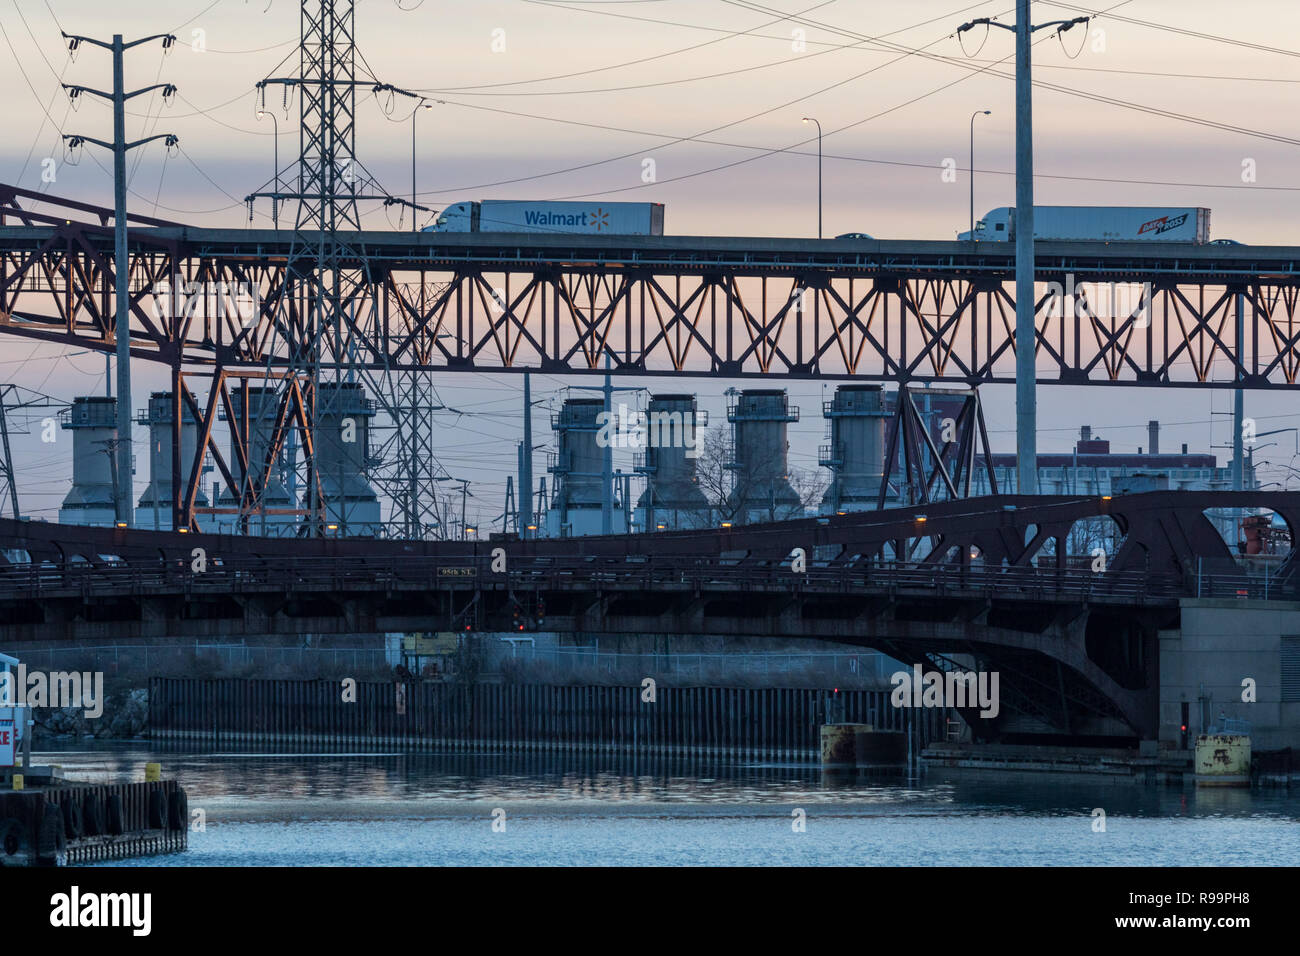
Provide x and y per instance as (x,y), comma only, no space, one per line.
(810,485)
(737,490)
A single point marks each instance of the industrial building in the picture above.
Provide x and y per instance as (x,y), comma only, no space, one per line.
(1093,469)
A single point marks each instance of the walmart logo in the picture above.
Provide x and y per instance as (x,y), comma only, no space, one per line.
(598,220)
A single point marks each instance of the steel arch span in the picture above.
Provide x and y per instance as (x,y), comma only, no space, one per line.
(992,586)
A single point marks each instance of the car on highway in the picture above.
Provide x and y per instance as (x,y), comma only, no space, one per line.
(854,235)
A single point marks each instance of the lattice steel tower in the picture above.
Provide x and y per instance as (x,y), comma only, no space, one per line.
(327,294)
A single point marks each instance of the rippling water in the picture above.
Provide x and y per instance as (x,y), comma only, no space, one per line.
(411,810)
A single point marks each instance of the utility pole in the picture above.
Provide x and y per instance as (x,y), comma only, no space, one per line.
(607,462)
(464,494)
(275,154)
(121,271)
(607,390)
(971,234)
(526,465)
(1239,404)
(809,119)
(414,113)
(1026,329)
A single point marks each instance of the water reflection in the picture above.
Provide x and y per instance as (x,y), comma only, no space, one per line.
(404,808)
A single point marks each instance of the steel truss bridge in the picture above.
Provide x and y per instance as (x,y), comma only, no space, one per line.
(993,588)
(227,306)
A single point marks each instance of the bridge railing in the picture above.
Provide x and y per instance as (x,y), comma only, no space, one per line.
(352,574)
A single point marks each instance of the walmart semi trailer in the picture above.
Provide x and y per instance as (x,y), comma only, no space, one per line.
(1099,224)
(587,218)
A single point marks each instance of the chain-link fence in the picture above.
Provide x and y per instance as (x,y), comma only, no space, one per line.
(522,662)
(509,660)
(211,660)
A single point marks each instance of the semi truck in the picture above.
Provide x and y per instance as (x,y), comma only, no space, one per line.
(1099,224)
(587,218)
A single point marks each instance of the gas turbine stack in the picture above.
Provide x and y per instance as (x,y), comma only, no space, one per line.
(578,467)
(342,435)
(154,510)
(672,499)
(855,450)
(762,492)
(92,419)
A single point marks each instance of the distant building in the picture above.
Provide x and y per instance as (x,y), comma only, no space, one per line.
(1092,469)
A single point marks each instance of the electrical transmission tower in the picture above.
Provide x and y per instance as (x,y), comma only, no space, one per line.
(329,294)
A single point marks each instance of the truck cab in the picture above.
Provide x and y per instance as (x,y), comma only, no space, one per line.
(996,226)
(458,217)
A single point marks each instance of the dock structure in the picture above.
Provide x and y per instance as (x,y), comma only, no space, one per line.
(47,820)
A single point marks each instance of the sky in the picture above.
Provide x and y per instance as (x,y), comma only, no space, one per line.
(546,100)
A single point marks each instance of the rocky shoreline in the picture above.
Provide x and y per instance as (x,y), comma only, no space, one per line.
(126,715)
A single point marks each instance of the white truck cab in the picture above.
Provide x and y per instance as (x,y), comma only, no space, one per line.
(994,227)
(459,217)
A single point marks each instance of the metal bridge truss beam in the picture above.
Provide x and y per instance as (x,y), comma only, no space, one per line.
(566,317)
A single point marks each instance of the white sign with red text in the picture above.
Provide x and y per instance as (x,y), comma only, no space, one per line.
(8,743)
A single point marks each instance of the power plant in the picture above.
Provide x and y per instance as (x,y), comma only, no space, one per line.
(876,438)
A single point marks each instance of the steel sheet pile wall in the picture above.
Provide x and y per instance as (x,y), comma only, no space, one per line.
(766,722)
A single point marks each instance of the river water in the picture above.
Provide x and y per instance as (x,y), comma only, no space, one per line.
(466,809)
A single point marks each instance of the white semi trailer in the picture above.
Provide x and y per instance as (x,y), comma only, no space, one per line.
(587,218)
(1099,224)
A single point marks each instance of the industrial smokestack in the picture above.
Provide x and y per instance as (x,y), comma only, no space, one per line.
(1085,433)
(1153,436)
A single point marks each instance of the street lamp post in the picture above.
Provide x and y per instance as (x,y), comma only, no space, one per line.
(972,169)
(415,112)
(809,119)
(275,201)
